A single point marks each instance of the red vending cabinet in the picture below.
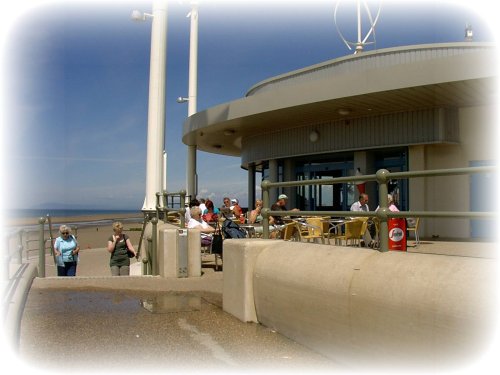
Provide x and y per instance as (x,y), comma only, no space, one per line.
(397,234)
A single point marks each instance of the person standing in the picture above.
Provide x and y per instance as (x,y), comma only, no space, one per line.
(119,246)
(66,250)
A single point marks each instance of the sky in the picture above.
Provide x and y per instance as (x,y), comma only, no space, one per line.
(75,76)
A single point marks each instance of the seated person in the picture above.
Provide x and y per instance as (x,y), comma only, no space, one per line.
(196,222)
(280,205)
(210,214)
(225,209)
(192,203)
(255,215)
(237,211)
(362,205)
(390,204)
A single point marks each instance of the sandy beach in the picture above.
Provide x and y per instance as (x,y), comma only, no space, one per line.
(21,222)
(91,231)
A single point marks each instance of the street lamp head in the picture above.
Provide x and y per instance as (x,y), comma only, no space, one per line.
(139,16)
(180,99)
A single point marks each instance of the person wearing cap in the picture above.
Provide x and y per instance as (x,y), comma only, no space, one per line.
(280,205)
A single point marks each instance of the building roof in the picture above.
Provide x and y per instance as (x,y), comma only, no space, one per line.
(362,85)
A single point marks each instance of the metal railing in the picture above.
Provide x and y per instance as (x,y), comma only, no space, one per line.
(382,177)
(162,209)
(165,210)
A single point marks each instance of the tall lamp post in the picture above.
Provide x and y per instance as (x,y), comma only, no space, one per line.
(156,106)
(191,176)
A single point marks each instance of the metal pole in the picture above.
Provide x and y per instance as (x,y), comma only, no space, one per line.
(265,203)
(20,248)
(154,252)
(51,239)
(6,260)
(182,210)
(41,247)
(156,109)
(149,252)
(382,178)
(191,187)
(145,266)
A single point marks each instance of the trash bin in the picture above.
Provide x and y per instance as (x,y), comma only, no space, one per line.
(397,234)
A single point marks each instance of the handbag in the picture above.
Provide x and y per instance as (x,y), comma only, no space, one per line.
(130,254)
(217,240)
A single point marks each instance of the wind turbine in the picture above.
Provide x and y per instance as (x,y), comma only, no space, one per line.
(360,42)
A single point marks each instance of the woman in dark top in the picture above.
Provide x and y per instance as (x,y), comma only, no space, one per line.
(119,245)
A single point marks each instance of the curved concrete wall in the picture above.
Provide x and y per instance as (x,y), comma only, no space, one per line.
(364,309)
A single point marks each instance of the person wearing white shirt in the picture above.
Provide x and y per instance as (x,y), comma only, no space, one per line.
(202,206)
(196,222)
(362,205)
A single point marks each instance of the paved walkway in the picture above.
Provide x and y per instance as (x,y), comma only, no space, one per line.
(97,323)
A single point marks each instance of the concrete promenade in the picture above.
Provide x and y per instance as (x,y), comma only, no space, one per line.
(129,324)
(136,323)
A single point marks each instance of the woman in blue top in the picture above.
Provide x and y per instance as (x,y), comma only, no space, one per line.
(66,249)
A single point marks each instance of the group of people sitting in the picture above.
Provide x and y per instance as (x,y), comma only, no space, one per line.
(369,237)
(201,214)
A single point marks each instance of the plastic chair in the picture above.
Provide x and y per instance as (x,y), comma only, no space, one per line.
(314,229)
(290,231)
(414,229)
(352,232)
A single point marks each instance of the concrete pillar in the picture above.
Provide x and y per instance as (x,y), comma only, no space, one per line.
(273,177)
(168,252)
(289,175)
(251,186)
(240,257)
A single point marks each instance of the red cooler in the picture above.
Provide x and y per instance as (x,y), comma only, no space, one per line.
(397,234)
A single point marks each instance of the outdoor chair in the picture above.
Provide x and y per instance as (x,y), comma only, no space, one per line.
(207,250)
(412,226)
(314,229)
(352,233)
(291,231)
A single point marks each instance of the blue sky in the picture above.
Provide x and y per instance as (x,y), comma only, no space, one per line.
(75,85)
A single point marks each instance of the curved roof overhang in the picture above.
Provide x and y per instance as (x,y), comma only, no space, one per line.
(454,80)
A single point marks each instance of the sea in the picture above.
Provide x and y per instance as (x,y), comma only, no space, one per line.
(60,214)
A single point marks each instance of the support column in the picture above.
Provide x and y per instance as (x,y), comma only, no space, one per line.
(192,178)
(273,177)
(156,107)
(251,186)
(289,175)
